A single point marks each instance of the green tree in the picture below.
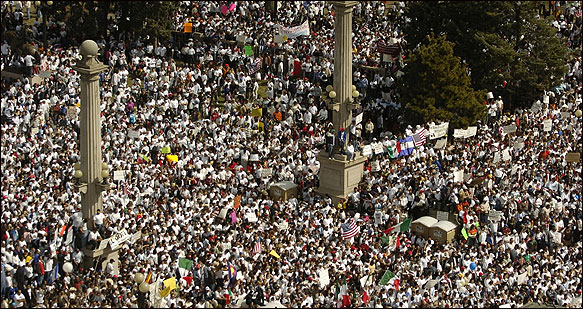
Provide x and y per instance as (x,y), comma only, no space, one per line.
(509,48)
(437,88)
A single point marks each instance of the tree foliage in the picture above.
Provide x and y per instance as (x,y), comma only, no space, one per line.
(437,88)
(89,19)
(509,49)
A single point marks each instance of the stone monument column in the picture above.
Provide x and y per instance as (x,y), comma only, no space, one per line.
(338,176)
(92,181)
(342,107)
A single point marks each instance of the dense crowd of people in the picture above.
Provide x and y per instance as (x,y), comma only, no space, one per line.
(201,102)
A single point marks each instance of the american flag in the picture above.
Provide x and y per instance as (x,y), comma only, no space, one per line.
(392,50)
(257,247)
(255,66)
(350,230)
(419,137)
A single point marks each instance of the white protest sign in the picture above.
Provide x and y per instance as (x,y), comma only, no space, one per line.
(458,176)
(440,143)
(133,134)
(511,128)
(266,172)
(119,175)
(254,157)
(223,213)
(103,244)
(251,217)
(442,216)
(506,155)
(119,238)
(375,166)
(324,277)
(283,226)
(519,143)
(547,125)
(69,236)
(226,246)
(471,131)
(438,130)
(137,235)
(366,150)
(494,215)
(536,107)
(521,278)
(565,115)
(378,148)
(358,118)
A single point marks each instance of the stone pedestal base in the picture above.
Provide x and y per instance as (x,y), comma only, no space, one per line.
(106,254)
(339,177)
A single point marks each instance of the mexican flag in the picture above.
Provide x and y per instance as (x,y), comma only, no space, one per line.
(401,227)
(342,295)
(390,278)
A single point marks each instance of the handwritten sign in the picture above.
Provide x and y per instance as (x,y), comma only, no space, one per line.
(133,134)
(494,215)
(378,217)
(223,213)
(547,125)
(509,129)
(438,130)
(119,175)
(496,157)
(536,107)
(266,172)
(358,118)
(283,226)
(375,166)
(251,217)
(565,115)
(442,216)
(378,148)
(519,143)
(440,144)
(254,157)
(367,150)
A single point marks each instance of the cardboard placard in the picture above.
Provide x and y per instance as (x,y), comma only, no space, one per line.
(324,278)
(367,150)
(358,118)
(283,226)
(223,213)
(375,166)
(378,217)
(573,157)
(378,148)
(254,157)
(458,176)
(119,175)
(519,143)
(547,125)
(266,172)
(133,134)
(496,157)
(565,115)
(536,107)
(442,216)
(71,112)
(471,131)
(459,133)
(494,215)
(440,144)
(119,238)
(509,128)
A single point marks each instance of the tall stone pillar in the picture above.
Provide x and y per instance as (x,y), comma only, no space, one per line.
(338,176)
(91,182)
(342,107)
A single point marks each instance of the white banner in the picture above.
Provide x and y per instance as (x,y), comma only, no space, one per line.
(438,130)
(471,131)
(292,32)
(119,238)
(459,133)
(509,128)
